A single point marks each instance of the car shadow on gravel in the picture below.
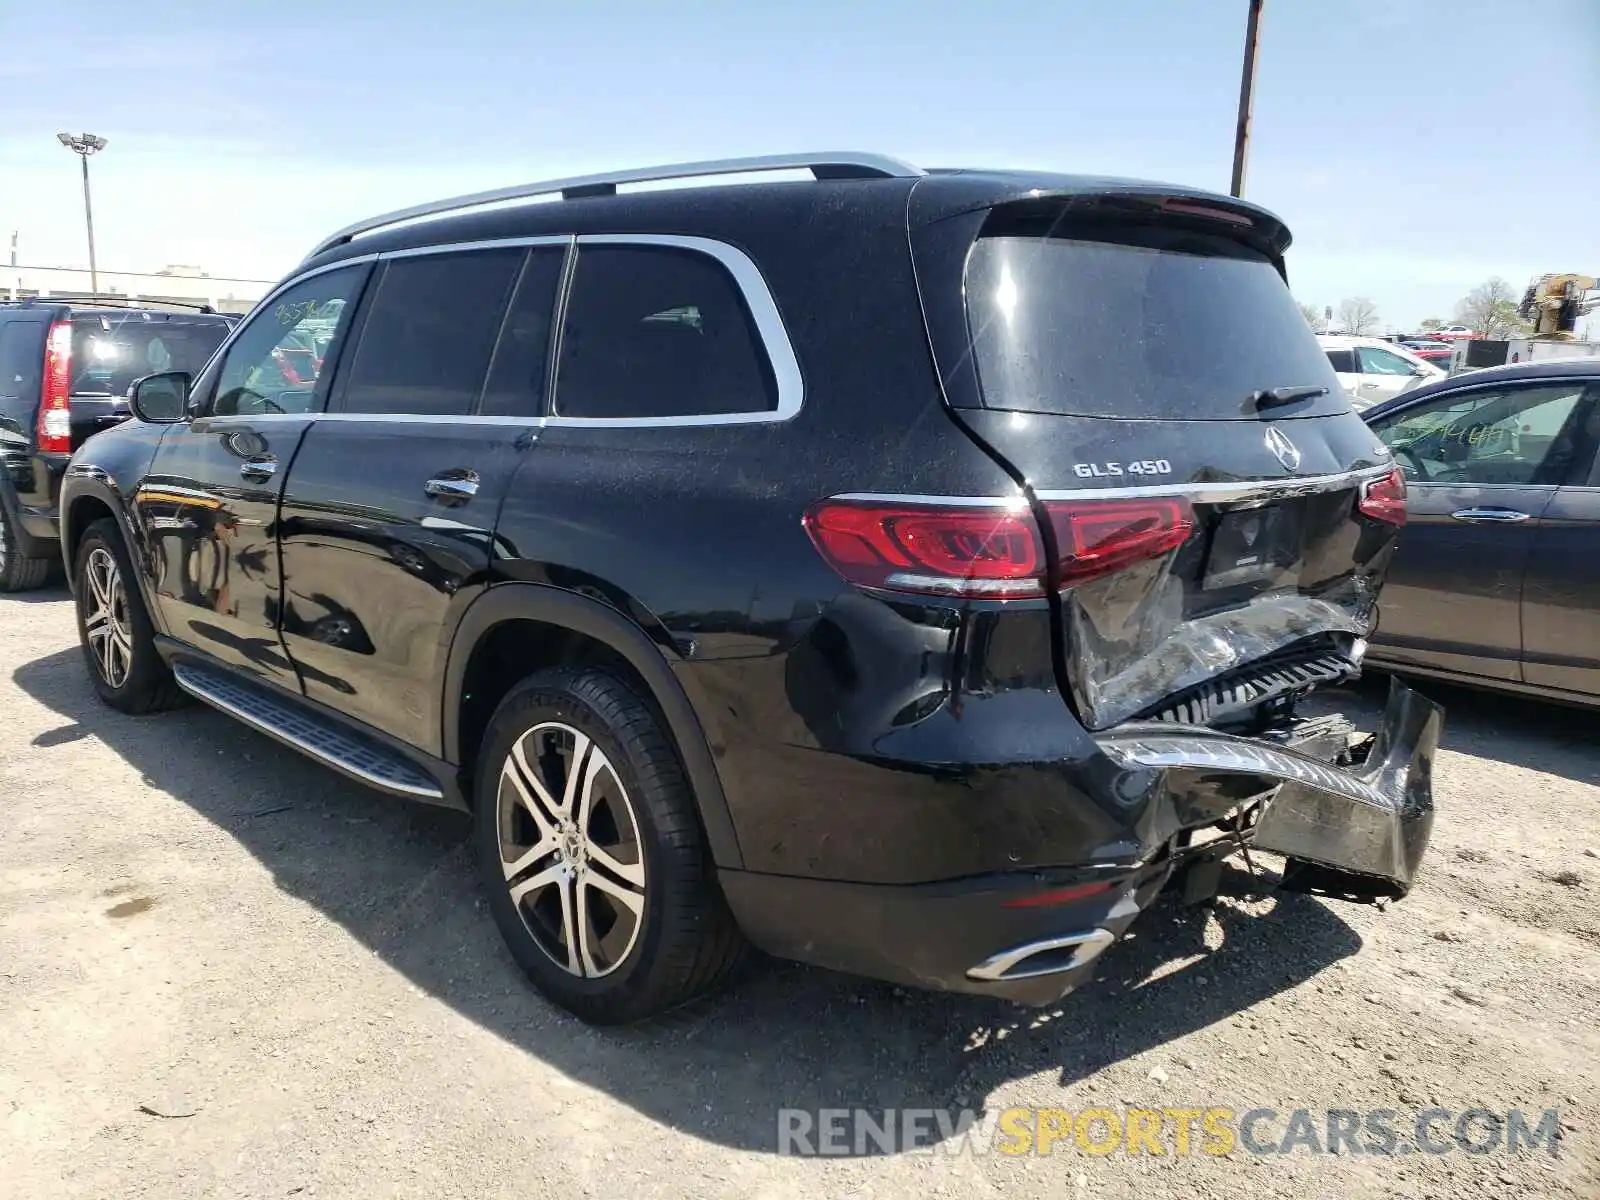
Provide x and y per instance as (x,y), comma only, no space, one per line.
(398,877)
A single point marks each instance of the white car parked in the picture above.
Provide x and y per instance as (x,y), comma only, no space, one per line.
(1370,369)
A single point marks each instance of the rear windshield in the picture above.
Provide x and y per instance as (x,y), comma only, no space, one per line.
(1138,322)
(111,350)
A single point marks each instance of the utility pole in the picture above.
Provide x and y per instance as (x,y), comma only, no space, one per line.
(1247,98)
(83,145)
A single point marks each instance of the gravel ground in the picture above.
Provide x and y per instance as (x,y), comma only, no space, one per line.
(226,972)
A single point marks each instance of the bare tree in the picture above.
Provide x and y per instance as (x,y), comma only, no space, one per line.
(1358,315)
(1491,309)
(1429,324)
(1313,316)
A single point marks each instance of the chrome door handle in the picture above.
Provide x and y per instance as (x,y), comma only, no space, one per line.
(1489,516)
(457,486)
(259,470)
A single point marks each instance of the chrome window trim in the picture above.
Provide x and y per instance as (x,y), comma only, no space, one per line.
(774,337)
(747,277)
(1209,493)
(387,418)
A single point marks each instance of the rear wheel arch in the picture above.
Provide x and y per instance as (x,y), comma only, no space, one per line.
(83,512)
(515,629)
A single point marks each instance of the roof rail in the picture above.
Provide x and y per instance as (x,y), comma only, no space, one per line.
(835,165)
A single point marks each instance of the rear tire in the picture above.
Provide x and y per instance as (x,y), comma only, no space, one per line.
(591,851)
(18,572)
(119,642)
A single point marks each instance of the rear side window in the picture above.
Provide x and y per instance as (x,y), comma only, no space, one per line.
(655,331)
(1136,322)
(21,372)
(1343,361)
(111,350)
(427,340)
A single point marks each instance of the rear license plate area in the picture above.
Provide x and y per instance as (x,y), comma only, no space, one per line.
(1253,546)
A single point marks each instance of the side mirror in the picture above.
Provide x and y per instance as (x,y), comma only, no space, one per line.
(161,399)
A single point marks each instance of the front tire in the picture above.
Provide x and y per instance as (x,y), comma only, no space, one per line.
(592,854)
(114,629)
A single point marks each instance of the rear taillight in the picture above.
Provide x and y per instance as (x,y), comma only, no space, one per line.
(55,416)
(1385,499)
(993,552)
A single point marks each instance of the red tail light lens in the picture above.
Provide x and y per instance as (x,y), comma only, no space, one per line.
(931,548)
(1385,499)
(1101,536)
(55,417)
(993,552)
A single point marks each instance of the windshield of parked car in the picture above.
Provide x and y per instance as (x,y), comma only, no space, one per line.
(111,350)
(1139,321)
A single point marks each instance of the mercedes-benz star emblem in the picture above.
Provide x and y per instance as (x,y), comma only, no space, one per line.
(1283,449)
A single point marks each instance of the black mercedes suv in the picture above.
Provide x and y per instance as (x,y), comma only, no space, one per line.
(903,571)
(65,370)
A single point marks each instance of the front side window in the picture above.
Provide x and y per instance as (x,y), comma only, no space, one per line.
(1508,436)
(655,331)
(1383,362)
(274,365)
(425,345)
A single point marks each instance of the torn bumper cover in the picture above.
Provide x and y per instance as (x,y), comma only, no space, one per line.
(1369,819)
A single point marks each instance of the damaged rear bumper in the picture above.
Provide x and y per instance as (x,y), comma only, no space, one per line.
(1368,817)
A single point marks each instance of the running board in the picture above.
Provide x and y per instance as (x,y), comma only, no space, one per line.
(349,753)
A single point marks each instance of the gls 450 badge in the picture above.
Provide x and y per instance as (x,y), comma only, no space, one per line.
(1109,470)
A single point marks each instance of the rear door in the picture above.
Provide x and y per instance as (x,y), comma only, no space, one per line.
(1561,590)
(1483,465)
(208,506)
(1186,445)
(388,518)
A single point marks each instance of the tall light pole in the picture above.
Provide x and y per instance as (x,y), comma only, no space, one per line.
(1247,98)
(83,145)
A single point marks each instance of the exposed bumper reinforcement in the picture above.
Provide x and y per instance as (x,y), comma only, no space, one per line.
(1371,820)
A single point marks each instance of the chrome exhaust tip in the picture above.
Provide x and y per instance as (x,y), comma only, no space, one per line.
(1052,956)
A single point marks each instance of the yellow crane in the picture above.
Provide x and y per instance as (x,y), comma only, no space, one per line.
(1553,303)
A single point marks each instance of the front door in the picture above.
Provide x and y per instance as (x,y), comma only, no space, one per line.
(389,514)
(1482,464)
(209,504)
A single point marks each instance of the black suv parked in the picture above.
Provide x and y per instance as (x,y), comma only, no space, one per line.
(65,370)
(903,571)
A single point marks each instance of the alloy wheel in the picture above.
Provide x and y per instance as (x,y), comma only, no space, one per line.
(106,623)
(570,850)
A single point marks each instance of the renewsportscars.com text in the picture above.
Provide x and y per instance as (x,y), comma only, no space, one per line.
(1214,1131)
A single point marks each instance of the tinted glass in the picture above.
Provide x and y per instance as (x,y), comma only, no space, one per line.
(110,351)
(1516,436)
(274,365)
(1343,361)
(658,332)
(1147,322)
(1381,362)
(426,342)
(516,381)
(21,373)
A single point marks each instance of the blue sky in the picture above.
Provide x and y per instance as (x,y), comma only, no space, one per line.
(1414,147)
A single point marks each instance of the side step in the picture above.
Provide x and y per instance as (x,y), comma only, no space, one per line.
(362,759)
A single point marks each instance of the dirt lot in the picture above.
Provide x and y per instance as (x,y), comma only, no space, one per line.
(224,971)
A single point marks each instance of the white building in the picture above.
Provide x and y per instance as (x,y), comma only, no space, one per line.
(183,284)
